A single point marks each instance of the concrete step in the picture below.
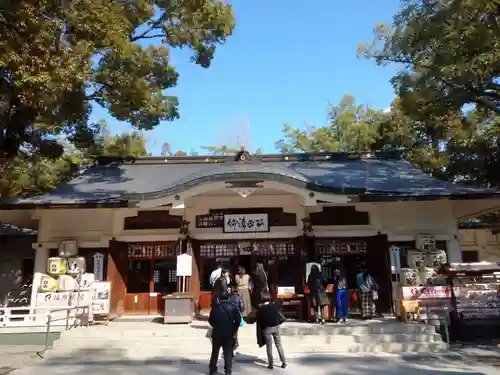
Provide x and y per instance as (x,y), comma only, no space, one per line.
(109,355)
(196,330)
(69,342)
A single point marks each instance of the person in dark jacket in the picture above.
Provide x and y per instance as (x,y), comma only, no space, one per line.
(260,284)
(269,318)
(317,293)
(225,320)
(221,287)
(238,302)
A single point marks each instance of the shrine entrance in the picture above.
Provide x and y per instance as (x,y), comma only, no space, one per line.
(151,274)
(282,260)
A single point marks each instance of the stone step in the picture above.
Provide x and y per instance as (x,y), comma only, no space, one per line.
(126,330)
(202,351)
(69,342)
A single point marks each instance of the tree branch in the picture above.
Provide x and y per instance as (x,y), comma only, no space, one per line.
(144,35)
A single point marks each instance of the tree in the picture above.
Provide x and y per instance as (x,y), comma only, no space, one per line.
(448,85)
(57,57)
(132,144)
(351,127)
(449,52)
(33,174)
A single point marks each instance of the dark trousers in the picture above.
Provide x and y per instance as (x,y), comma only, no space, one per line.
(342,306)
(271,333)
(227,349)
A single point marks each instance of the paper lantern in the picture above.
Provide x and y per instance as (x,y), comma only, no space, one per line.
(56,266)
(48,284)
(76,266)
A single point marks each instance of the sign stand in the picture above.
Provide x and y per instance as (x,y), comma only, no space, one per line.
(184,269)
(101,301)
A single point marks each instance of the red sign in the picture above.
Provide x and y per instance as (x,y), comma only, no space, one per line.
(422,292)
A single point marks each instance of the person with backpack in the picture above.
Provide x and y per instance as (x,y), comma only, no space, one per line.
(317,293)
(269,318)
(236,299)
(225,319)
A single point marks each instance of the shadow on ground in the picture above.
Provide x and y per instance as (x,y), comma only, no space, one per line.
(115,362)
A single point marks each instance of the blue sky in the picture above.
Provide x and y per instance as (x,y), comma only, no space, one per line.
(284,62)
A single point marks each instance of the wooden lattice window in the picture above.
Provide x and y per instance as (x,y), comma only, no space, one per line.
(280,249)
(219,250)
(341,247)
(153,251)
(215,220)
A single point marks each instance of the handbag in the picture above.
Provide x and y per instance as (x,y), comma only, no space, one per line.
(242,321)
(375,295)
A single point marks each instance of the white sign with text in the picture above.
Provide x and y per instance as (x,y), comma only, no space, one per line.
(246,223)
(184,265)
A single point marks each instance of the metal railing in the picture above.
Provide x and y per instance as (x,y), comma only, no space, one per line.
(441,316)
(51,319)
(26,316)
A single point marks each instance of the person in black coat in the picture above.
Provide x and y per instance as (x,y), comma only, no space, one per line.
(269,318)
(225,320)
(317,293)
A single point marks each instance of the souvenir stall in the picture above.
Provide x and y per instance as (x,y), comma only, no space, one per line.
(476,300)
(420,289)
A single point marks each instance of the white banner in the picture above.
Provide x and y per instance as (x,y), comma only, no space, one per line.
(63,299)
(246,223)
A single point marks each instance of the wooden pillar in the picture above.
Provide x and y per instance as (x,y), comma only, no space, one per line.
(194,282)
(378,264)
(117,274)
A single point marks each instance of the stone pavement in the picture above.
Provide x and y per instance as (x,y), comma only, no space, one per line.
(310,365)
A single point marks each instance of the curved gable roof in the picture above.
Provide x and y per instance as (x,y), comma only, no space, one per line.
(371,178)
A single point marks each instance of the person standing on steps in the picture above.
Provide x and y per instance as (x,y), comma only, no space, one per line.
(260,284)
(269,318)
(238,302)
(341,296)
(243,282)
(368,291)
(317,293)
(225,320)
(221,287)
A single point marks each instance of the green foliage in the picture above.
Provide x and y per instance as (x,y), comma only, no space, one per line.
(57,57)
(449,51)
(351,127)
(448,85)
(33,174)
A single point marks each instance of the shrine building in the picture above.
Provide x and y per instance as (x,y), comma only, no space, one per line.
(342,210)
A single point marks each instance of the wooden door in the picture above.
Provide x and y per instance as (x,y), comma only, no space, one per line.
(117,274)
(138,287)
(164,282)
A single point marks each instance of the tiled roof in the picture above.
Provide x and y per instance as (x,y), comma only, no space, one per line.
(12,230)
(375,177)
